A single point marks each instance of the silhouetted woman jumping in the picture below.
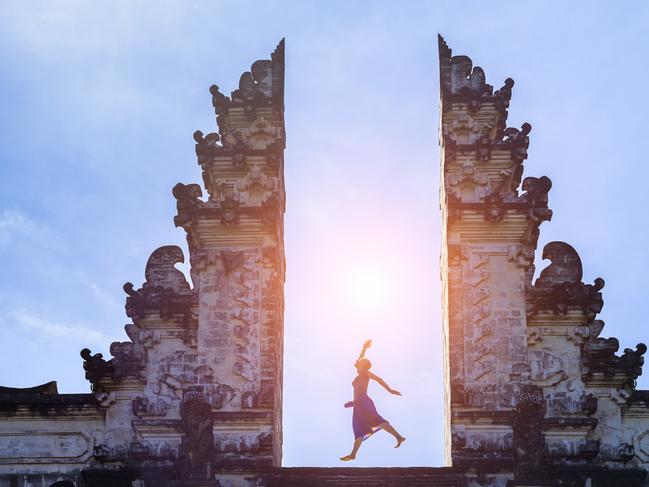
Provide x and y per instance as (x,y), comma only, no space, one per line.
(366,420)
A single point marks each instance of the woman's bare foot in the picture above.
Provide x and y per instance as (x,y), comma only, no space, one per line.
(399,441)
(347,458)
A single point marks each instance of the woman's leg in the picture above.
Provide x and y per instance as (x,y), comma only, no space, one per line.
(352,455)
(388,427)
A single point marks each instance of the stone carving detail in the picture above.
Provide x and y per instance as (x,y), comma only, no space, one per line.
(599,357)
(129,360)
(559,285)
(262,86)
(146,338)
(165,292)
(565,404)
(547,368)
(494,207)
(160,270)
(256,187)
(471,189)
(188,202)
(246,335)
(471,177)
(207,144)
(143,406)
(522,255)
(536,198)
(104,453)
(465,130)
(147,451)
(461,80)
(198,441)
(237,143)
(261,134)
(220,102)
(518,141)
(457,254)
(528,440)
(565,266)
(642,445)
(477,296)
(105,399)
(483,147)
(505,93)
(96,368)
(220,395)
(466,79)
(255,84)
(229,210)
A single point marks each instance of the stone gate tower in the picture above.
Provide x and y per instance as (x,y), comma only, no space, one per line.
(196,394)
(490,232)
(533,395)
(236,245)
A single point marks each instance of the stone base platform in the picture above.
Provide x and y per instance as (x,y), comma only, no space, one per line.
(361,477)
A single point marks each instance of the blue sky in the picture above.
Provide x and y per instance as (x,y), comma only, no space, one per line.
(99,102)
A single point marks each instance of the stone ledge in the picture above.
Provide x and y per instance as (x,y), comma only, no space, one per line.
(354,476)
(29,399)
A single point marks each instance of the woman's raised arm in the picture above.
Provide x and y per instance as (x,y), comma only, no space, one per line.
(366,345)
(383,383)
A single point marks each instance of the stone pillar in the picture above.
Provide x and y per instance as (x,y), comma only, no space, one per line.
(490,232)
(236,247)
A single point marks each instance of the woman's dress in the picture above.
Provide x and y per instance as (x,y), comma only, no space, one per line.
(365,419)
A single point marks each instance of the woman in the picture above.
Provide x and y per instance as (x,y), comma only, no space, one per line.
(366,420)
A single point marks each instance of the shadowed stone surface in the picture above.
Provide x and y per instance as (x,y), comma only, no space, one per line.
(357,477)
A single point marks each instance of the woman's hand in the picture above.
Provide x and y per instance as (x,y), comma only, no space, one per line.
(366,345)
(396,393)
(349,404)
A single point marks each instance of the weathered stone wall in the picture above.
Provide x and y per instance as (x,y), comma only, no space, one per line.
(195,395)
(534,395)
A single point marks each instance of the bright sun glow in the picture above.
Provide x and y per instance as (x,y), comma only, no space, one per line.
(367,287)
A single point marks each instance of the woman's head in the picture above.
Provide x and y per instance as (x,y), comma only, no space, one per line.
(363,365)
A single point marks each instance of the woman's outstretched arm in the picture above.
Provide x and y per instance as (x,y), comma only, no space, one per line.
(382,382)
(366,345)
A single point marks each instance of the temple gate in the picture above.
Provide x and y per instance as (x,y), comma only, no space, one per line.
(534,395)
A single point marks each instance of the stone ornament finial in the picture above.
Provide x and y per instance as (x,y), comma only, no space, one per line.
(161,271)
(565,265)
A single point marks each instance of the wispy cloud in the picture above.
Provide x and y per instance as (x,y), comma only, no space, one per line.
(14,223)
(11,220)
(101,295)
(49,329)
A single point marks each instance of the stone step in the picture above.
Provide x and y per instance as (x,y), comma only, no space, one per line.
(370,477)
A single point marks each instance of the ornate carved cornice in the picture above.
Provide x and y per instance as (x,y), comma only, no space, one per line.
(598,357)
(262,86)
(496,204)
(228,210)
(513,140)
(461,82)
